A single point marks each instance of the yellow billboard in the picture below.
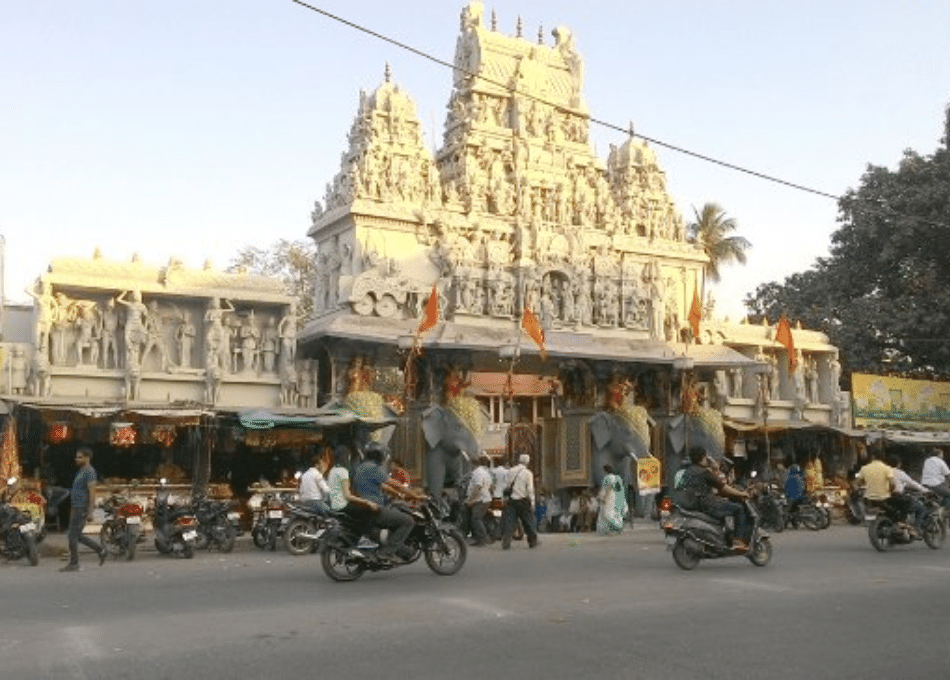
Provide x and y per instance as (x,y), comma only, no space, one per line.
(648,474)
(880,401)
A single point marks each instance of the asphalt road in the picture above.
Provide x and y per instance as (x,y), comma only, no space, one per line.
(579,606)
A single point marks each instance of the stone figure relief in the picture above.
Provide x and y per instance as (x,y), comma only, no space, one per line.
(287,332)
(109,325)
(306,397)
(135,327)
(834,368)
(217,336)
(213,374)
(270,340)
(774,379)
(798,378)
(811,380)
(185,335)
(45,303)
(288,383)
(40,375)
(155,336)
(250,340)
(88,336)
(737,375)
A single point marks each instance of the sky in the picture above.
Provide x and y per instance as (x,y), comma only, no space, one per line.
(194,129)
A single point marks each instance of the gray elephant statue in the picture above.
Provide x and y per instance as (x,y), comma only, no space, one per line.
(451,444)
(614,442)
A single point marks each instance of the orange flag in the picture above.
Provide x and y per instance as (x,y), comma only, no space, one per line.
(531,326)
(783,335)
(432,312)
(695,315)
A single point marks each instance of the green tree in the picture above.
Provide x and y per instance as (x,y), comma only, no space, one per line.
(882,296)
(292,262)
(711,230)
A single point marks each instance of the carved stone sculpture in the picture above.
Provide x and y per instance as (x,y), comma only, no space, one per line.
(109,324)
(135,329)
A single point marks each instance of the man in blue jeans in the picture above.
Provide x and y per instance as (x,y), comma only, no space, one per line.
(83,497)
(711,491)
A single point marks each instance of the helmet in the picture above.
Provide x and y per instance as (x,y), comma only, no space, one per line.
(374,449)
(795,469)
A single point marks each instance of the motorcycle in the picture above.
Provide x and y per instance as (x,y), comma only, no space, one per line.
(854,508)
(888,526)
(345,554)
(824,510)
(693,536)
(269,521)
(18,532)
(770,502)
(175,526)
(806,514)
(122,529)
(305,526)
(216,522)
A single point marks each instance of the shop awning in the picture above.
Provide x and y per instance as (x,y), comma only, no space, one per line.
(719,356)
(907,436)
(771,426)
(263,419)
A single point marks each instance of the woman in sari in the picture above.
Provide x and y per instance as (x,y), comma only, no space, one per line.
(613,503)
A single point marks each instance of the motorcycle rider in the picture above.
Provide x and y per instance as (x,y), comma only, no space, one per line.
(903,501)
(935,476)
(711,490)
(342,499)
(877,478)
(372,481)
(795,488)
(313,488)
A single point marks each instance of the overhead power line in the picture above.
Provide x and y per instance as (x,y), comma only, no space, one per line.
(611,126)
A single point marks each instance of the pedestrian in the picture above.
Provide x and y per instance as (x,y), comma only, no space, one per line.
(478,499)
(613,503)
(83,497)
(519,505)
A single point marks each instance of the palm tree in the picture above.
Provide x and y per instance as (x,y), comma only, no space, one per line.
(711,231)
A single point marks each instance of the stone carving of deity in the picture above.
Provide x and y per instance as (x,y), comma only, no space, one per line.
(135,331)
(657,301)
(305,385)
(269,342)
(359,375)
(811,377)
(583,303)
(87,336)
(774,379)
(109,326)
(185,339)
(45,305)
(288,383)
(738,375)
(155,335)
(798,378)
(40,383)
(18,371)
(834,367)
(213,373)
(721,388)
(250,337)
(567,302)
(287,331)
(217,336)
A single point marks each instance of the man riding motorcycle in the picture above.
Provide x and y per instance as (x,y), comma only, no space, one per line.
(877,478)
(372,481)
(903,501)
(711,490)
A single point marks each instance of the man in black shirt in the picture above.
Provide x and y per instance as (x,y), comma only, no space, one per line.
(711,491)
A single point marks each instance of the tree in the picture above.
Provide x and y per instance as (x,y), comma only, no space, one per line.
(882,296)
(292,262)
(711,231)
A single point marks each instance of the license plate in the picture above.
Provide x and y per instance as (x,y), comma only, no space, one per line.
(26,528)
(496,513)
(133,520)
(670,539)
(274,514)
(189,535)
(234,516)
(869,518)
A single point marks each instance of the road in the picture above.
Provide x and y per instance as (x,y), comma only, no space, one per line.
(579,606)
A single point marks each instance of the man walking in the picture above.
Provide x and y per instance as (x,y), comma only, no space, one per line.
(520,504)
(478,498)
(83,497)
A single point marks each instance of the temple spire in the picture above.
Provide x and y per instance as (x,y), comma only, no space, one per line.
(387,73)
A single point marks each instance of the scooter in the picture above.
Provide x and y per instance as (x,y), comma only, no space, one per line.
(18,532)
(175,526)
(693,536)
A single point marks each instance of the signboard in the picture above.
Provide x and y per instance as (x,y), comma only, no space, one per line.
(648,475)
(881,401)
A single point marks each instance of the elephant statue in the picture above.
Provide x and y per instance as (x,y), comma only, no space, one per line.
(686,431)
(615,441)
(450,442)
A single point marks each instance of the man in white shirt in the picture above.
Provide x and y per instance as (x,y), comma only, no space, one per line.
(313,489)
(935,476)
(905,502)
(520,504)
(478,497)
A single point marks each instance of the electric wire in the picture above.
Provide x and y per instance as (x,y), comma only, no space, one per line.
(890,213)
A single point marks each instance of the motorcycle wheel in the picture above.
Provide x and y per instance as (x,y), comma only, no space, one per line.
(293,542)
(133,538)
(203,541)
(162,547)
(761,553)
(879,533)
(112,540)
(188,551)
(778,522)
(224,535)
(854,514)
(935,533)
(337,565)
(825,515)
(272,538)
(683,556)
(449,560)
(810,519)
(31,554)
(259,536)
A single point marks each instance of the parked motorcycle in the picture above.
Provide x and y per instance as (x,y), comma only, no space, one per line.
(216,524)
(175,526)
(345,554)
(888,526)
(693,536)
(122,529)
(269,521)
(823,504)
(17,532)
(305,526)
